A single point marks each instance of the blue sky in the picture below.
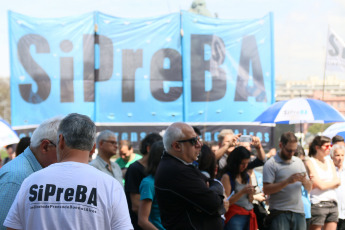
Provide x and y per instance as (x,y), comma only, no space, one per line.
(300,26)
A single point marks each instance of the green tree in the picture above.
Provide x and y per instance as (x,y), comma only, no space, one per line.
(317,128)
(5,99)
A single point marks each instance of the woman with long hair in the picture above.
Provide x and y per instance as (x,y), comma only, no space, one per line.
(321,170)
(239,190)
(148,214)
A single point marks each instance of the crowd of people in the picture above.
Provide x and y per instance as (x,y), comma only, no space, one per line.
(176,182)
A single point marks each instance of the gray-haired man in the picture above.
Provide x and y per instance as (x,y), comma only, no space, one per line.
(40,154)
(71,194)
(107,146)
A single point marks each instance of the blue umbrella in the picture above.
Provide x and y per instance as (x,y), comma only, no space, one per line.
(300,110)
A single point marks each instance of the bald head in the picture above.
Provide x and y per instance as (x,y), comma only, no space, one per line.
(173,133)
(181,141)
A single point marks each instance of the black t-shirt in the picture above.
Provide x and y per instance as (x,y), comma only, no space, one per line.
(134,175)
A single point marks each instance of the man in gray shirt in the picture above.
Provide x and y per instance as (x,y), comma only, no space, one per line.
(283,176)
(107,146)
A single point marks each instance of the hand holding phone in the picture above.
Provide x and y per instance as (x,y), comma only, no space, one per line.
(246,138)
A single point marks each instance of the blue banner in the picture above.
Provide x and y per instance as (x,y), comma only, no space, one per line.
(140,70)
(228,68)
(47,67)
(147,71)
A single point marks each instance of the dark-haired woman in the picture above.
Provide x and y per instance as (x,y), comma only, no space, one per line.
(321,170)
(238,188)
(149,215)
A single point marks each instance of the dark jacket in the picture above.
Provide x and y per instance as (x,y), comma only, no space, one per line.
(184,200)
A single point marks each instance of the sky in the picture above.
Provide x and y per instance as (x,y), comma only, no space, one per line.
(300,26)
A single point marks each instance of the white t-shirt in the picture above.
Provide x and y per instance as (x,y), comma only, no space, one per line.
(69,195)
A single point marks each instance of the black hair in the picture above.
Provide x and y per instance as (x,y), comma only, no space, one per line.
(337,138)
(317,141)
(288,137)
(148,141)
(207,161)
(233,163)
(155,156)
(22,145)
(196,130)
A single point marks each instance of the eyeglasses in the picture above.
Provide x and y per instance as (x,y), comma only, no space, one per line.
(193,140)
(327,146)
(290,150)
(111,142)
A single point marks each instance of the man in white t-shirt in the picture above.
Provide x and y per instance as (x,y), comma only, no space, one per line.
(70,194)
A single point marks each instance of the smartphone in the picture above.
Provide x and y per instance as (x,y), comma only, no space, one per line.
(246,138)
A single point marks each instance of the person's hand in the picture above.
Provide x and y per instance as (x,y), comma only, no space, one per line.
(296,177)
(232,142)
(248,189)
(235,139)
(256,142)
(260,197)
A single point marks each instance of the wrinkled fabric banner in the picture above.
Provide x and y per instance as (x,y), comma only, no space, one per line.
(126,71)
(48,64)
(140,69)
(228,68)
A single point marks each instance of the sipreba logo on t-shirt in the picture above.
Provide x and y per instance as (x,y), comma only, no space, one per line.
(78,195)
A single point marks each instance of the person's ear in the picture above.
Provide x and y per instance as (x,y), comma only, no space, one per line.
(61,142)
(93,150)
(176,146)
(44,146)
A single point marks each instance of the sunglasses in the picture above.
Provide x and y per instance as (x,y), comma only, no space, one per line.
(193,140)
(111,142)
(290,150)
(327,146)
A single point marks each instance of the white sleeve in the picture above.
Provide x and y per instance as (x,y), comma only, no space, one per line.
(120,218)
(15,217)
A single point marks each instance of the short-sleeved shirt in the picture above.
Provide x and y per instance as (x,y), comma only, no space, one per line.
(147,191)
(124,164)
(101,165)
(69,195)
(135,174)
(12,176)
(290,197)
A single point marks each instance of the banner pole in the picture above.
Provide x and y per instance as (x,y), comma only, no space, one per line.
(324,69)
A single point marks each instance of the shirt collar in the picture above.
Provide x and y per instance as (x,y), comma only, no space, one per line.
(179,159)
(29,155)
(103,163)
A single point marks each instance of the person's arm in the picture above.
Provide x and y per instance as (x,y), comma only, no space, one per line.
(248,189)
(226,145)
(135,199)
(317,182)
(271,188)
(222,150)
(143,215)
(259,197)
(191,186)
(259,149)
